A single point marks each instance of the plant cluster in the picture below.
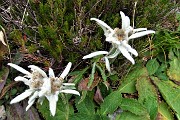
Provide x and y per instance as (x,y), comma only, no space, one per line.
(51,33)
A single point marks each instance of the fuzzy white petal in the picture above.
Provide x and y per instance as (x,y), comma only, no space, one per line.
(128,30)
(30,104)
(70,92)
(107,64)
(116,42)
(129,48)
(111,37)
(66,70)
(51,73)
(33,67)
(140,34)
(19,68)
(46,87)
(20,78)
(123,18)
(127,22)
(52,103)
(107,29)
(93,54)
(22,96)
(69,84)
(33,97)
(114,54)
(139,29)
(126,54)
(40,100)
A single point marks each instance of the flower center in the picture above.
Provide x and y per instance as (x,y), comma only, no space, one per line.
(120,34)
(56,84)
(37,79)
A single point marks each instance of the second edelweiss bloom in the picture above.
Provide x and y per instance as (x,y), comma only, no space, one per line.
(120,37)
(54,85)
(32,79)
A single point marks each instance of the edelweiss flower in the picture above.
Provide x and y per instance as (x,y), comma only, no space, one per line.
(120,37)
(33,79)
(97,53)
(54,85)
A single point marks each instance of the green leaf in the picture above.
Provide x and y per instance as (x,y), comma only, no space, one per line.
(128,83)
(165,112)
(114,77)
(161,72)
(131,116)
(83,96)
(111,102)
(170,92)
(147,95)
(152,66)
(81,116)
(86,106)
(102,72)
(92,75)
(174,70)
(79,74)
(162,68)
(161,57)
(133,106)
(162,76)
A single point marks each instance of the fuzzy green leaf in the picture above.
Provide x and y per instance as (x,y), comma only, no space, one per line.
(86,106)
(164,112)
(92,74)
(174,70)
(152,66)
(170,92)
(102,72)
(128,83)
(133,106)
(147,96)
(111,102)
(131,116)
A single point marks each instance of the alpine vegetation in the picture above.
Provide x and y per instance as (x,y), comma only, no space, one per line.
(42,86)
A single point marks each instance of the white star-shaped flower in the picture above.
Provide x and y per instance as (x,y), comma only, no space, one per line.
(52,86)
(120,37)
(33,79)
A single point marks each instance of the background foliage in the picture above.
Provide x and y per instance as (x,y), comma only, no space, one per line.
(50,33)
